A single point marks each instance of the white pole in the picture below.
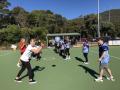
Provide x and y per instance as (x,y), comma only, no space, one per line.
(98,18)
(109,15)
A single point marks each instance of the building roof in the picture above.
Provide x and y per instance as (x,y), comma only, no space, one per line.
(63,34)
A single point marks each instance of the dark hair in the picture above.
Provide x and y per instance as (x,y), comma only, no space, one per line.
(86,40)
(100,39)
(32,39)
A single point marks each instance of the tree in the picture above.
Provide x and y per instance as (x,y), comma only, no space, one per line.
(91,24)
(20,16)
(114,19)
(11,34)
(39,33)
(4,13)
(4,4)
(108,28)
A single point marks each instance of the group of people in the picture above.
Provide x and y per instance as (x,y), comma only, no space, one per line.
(104,58)
(27,51)
(62,46)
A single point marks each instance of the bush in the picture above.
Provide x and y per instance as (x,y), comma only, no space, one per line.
(12,34)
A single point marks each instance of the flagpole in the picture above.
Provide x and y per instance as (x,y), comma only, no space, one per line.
(98,31)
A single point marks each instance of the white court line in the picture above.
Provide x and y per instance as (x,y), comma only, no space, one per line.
(110,55)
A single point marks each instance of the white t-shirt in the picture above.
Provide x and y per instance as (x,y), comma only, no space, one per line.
(27,54)
(57,39)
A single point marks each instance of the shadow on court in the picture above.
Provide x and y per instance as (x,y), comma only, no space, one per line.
(92,72)
(35,69)
(79,59)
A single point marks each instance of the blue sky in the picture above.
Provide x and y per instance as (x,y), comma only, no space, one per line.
(67,8)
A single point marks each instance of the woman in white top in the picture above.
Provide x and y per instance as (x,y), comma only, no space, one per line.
(25,60)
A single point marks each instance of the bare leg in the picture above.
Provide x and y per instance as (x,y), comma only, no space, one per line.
(109,72)
(101,73)
(19,61)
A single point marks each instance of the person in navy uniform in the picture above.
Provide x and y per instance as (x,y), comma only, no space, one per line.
(104,59)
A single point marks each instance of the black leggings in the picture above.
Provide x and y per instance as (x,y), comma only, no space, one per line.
(36,55)
(67,51)
(24,66)
(86,56)
(61,52)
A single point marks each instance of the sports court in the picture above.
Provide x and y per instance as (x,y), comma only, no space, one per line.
(54,73)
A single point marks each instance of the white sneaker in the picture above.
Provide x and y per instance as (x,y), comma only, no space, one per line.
(18,65)
(18,80)
(34,58)
(111,78)
(32,82)
(69,57)
(107,78)
(98,80)
(86,63)
(66,59)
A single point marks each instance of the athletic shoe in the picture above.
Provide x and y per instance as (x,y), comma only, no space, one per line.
(18,65)
(32,82)
(18,80)
(86,63)
(107,78)
(33,58)
(69,57)
(66,59)
(98,80)
(111,78)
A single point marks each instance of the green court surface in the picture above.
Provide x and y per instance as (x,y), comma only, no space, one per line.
(54,73)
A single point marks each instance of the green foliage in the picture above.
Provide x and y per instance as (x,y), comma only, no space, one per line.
(11,34)
(108,28)
(91,24)
(17,23)
(114,17)
(4,4)
(39,33)
(19,16)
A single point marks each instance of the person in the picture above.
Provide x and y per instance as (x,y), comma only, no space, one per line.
(67,49)
(38,55)
(57,40)
(22,47)
(85,51)
(25,60)
(62,48)
(104,59)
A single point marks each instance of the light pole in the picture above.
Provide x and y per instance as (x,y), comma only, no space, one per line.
(109,15)
(98,31)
